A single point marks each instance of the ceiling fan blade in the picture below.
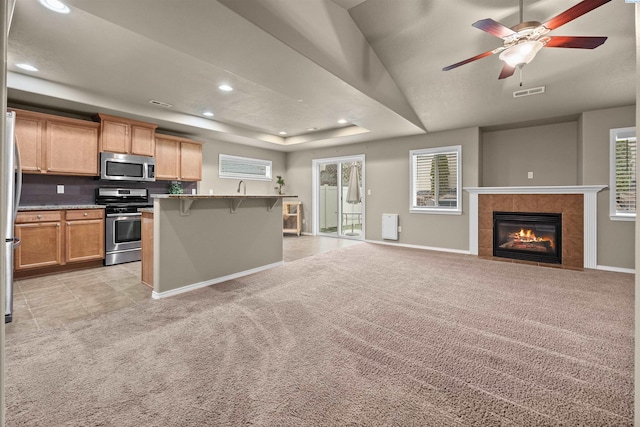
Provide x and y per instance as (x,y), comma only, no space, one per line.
(575,42)
(475,58)
(494,28)
(507,71)
(573,13)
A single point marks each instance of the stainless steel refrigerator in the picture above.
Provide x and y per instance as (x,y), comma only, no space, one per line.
(9,205)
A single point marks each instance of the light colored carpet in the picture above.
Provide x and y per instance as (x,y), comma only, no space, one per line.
(365,335)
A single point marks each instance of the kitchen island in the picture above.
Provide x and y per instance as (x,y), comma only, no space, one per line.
(200,240)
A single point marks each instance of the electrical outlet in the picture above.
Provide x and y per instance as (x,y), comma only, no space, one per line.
(530,175)
(60,189)
(399,229)
(304,221)
(193,191)
(368,192)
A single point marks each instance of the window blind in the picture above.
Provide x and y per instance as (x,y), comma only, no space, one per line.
(625,175)
(435,179)
(244,168)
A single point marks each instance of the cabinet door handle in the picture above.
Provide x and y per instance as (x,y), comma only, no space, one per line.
(68,223)
(85,214)
(38,216)
(58,225)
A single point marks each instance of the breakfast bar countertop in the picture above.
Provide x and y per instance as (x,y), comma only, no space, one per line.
(221,196)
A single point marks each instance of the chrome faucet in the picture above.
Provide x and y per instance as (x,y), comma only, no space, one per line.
(245,187)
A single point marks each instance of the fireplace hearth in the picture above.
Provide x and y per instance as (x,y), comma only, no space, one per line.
(528,236)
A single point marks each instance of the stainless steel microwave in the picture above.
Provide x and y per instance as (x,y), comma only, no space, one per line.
(127,167)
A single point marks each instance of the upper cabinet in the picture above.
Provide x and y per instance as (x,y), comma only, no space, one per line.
(29,135)
(120,135)
(178,158)
(56,144)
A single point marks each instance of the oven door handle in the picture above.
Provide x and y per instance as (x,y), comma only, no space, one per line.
(123,214)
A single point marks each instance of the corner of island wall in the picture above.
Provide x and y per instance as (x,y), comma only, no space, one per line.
(200,240)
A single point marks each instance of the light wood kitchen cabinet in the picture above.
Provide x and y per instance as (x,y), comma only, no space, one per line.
(120,135)
(178,158)
(190,161)
(29,135)
(167,158)
(41,240)
(58,237)
(72,147)
(56,145)
(84,235)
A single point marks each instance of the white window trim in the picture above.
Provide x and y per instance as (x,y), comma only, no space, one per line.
(614,134)
(266,163)
(412,176)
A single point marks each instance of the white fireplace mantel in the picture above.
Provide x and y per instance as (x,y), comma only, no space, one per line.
(590,212)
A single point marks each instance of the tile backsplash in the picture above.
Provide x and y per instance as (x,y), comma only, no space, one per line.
(41,189)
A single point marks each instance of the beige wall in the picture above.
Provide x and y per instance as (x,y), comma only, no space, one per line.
(210,179)
(549,151)
(387,177)
(558,154)
(616,244)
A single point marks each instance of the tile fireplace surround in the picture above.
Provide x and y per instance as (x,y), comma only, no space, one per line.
(578,205)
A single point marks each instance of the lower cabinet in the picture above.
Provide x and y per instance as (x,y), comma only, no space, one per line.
(53,238)
(41,239)
(84,235)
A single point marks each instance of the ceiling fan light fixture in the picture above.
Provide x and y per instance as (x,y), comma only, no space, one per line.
(521,53)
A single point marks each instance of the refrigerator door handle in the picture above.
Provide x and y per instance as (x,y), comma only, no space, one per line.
(18,183)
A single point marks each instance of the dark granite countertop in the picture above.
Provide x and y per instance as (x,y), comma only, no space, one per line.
(57,207)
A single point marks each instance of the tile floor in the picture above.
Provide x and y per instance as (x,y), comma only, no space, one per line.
(51,301)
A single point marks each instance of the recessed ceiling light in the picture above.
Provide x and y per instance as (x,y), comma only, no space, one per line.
(342,121)
(312,129)
(225,88)
(282,132)
(27,67)
(208,114)
(56,6)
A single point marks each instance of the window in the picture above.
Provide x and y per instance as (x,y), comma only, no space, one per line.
(436,176)
(623,174)
(244,168)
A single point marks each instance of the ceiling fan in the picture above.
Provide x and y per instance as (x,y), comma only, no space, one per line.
(523,41)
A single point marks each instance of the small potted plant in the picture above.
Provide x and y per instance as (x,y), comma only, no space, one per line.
(280,183)
(175,188)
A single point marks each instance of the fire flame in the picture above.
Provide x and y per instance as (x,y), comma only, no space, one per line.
(526,236)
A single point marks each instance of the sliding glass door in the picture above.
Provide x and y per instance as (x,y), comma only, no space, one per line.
(339,197)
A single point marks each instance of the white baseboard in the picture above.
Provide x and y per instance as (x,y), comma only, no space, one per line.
(616,269)
(188,288)
(428,248)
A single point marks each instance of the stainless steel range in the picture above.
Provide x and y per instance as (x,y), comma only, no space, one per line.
(123,224)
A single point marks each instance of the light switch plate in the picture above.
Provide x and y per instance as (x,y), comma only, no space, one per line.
(530,175)
(60,189)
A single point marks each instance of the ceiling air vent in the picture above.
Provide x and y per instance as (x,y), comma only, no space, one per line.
(160,103)
(527,92)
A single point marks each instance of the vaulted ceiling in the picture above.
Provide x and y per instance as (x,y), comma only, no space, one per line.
(300,66)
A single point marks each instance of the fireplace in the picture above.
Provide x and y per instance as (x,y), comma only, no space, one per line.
(528,236)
